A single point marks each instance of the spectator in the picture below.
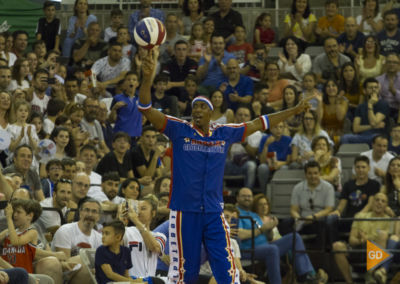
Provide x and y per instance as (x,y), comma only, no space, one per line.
(209,28)
(389,37)
(370,21)
(4,53)
(291,99)
(178,68)
(221,113)
(144,11)
(294,62)
(146,246)
(124,38)
(55,108)
(301,143)
(39,48)
(226,19)
(193,13)
(276,85)
(69,166)
(263,31)
(391,179)
(167,48)
(361,231)
(351,40)
(300,22)
(394,142)
(40,84)
(86,51)
(65,146)
(130,189)
(145,158)
(5,110)
(19,75)
(72,91)
(118,159)
(274,153)
(167,104)
(334,109)
(350,88)
(270,252)
(109,189)
(390,85)
(50,221)
(259,105)
(379,158)
(124,110)
(54,170)
(102,118)
(357,196)
(116,21)
(197,45)
(88,155)
(20,43)
(332,24)
(328,64)
(37,119)
(310,91)
(369,63)
(189,93)
(78,25)
(90,124)
(255,66)
(48,28)
(237,88)
(240,159)
(5,78)
(240,49)
(111,69)
(33,62)
(80,187)
(370,117)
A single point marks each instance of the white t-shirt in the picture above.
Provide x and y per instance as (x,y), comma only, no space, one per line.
(109,34)
(12,57)
(381,164)
(367,28)
(14,85)
(48,125)
(144,262)
(15,131)
(105,72)
(95,185)
(69,236)
(238,149)
(100,196)
(39,105)
(49,218)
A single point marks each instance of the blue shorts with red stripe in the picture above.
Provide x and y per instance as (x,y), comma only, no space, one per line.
(187,231)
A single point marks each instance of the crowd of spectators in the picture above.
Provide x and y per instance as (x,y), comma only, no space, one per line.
(73,139)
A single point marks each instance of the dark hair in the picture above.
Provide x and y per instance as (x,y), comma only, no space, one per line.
(38,42)
(19,147)
(312,164)
(61,181)
(88,147)
(15,73)
(29,206)
(369,80)
(118,227)
(192,78)
(388,178)
(41,134)
(149,128)
(121,134)
(361,158)
(61,120)
(47,4)
(114,176)
(15,34)
(376,12)
(380,136)
(389,12)
(54,106)
(116,12)
(70,148)
(158,182)
(354,88)
(296,96)
(260,18)
(300,48)
(53,162)
(316,140)
(325,98)
(5,68)
(377,47)
(114,43)
(88,200)
(40,71)
(161,78)
(307,11)
(181,41)
(224,105)
(126,183)
(68,162)
(185,7)
(258,46)
(75,4)
(328,2)
(71,78)
(259,87)
(215,34)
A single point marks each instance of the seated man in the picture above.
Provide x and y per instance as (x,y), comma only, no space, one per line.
(69,166)
(166,103)
(361,231)
(88,155)
(371,117)
(108,196)
(332,24)
(118,159)
(351,40)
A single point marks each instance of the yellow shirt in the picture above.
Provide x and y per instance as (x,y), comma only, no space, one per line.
(297,32)
(371,229)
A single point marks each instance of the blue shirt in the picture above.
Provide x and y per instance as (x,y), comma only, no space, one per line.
(281,148)
(246,224)
(198,164)
(357,42)
(129,118)
(243,88)
(215,76)
(119,262)
(389,44)
(135,17)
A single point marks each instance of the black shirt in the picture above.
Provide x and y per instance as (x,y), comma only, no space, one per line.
(138,159)
(167,104)
(109,163)
(178,73)
(226,26)
(49,31)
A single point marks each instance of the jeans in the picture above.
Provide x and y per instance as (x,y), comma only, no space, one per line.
(17,275)
(248,169)
(357,138)
(271,254)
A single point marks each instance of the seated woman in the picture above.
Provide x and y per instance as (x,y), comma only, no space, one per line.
(276,85)
(221,113)
(300,22)
(294,62)
(301,143)
(350,88)
(269,247)
(392,187)
(290,99)
(330,165)
(370,22)
(370,63)
(334,110)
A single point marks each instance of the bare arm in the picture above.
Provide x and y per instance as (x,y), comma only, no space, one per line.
(5,187)
(357,127)
(117,277)
(295,211)
(80,53)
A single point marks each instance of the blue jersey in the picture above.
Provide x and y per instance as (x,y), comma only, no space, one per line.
(198,163)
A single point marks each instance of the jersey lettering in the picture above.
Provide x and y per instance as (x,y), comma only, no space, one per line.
(138,245)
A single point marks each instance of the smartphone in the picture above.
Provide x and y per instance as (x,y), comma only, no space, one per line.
(234,223)
(3,204)
(51,81)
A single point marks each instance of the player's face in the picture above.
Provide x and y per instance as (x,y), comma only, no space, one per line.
(146,213)
(63,194)
(110,188)
(201,114)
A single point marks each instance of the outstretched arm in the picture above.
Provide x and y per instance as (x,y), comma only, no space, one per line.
(267,121)
(156,117)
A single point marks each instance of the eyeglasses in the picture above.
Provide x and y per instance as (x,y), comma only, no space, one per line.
(311,201)
(93,211)
(64,180)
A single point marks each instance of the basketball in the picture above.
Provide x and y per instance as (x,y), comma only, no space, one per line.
(149,32)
